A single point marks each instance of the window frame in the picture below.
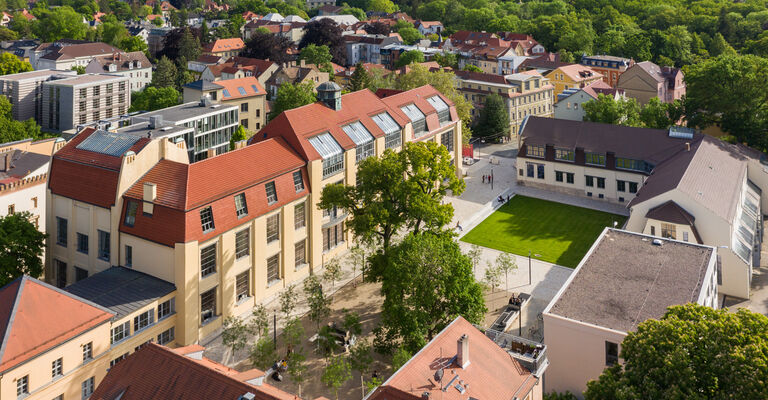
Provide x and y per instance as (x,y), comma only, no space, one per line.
(273,221)
(105,245)
(143,320)
(273,276)
(241,205)
(125,328)
(298,181)
(611,353)
(271,190)
(589,159)
(61,231)
(82,243)
(303,258)
(166,309)
(87,352)
(300,223)
(562,154)
(241,236)
(210,256)
(57,368)
(204,309)
(207,222)
(238,283)
(535,151)
(22,386)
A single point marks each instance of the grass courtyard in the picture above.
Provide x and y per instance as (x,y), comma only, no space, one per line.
(559,233)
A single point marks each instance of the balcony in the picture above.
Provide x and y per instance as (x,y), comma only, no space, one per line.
(532,355)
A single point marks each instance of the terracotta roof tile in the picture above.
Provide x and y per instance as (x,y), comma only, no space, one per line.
(35,317)
(224,45)
(243,87)
(156,372)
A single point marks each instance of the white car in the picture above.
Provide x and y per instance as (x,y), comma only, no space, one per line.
(469,160)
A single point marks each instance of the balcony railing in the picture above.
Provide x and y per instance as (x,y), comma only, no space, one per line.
(532,355)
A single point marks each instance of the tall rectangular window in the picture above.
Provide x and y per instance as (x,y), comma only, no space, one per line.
(558,176)
(206,219)
(621,186)
(128,256)
(301,253)
(130,213)
(273,268)
(104,245)
(120,332)
(273,228)
(569,177)
(243,243)
(61,231)
(668,231)
(298,181)
(271,192)
(166,308)
(57,368)
(143,320)
(82,243)
(242,286)
(87,388)
(208,305)
(299,216)
(447,140)
(540,171)
(611,353)
(332,236)
(87,352)
(632,187)
(241,207)
(601,183)
(590,180)
(208,260)
(22,386)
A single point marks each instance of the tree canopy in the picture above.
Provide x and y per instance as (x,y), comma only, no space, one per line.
(154,98)
(290,96)
(409,57)
(325,32)
(21,248)
(318,55)
(693,352)
(360,79)
(628,112)
(10,64)
(493,120)
(264,45)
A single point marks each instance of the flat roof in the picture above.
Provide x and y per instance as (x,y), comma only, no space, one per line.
(86,79)
(36,74)
(626,279)
(122,290)
(186,111)
(142,129)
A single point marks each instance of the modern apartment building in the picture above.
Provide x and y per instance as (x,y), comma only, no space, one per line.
(58,345)
(245,93)
(67,53)
(624,279)
(610,67)
(366,48)
(134,65)
(212,125)
(25,91)
(676,184)
(83,99)
(524,94)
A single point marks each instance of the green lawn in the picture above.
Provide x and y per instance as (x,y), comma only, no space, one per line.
(559,233)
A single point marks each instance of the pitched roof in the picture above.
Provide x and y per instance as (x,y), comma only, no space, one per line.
(184,188)
(121,290)
(578,72)
(626,279)
(491,374)
(242,87)
(61,51)
(123,61)
(156,372)
(220,45)
(35,317)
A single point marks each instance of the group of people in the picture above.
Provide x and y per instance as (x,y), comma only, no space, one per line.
(487,178)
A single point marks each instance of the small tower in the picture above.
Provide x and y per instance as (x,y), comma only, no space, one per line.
(330,94)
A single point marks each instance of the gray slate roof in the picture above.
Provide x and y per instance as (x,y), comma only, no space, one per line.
(121,289)
(627,280)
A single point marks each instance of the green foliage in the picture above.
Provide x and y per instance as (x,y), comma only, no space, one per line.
(79,69)
(113,32)
(326,342)
(472,68)
(7,34)
(332,272)
(240,134)
(165,74)
(290,96)
(693,352)
(234,333)
(336,373)
(447,59)
(263,354)
(360,79)
(154,98)
(360,360)
(288,300)
(409,57)
(426,284)
(21,247)
(492,277)
(259,321)
(352,322)
(493,120)
(12,130)
(133,43)
(386,6)
(410,35)
(293,334)
(372,384)
(560,396)
(10,64)
(660,115)
(400,357)
(318,55)
(505,263)
(399,190)
(297,367)
(474,254)
(59,23)
(319,304)
(624,111)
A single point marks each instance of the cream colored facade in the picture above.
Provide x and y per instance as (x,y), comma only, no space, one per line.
(76,370)
(253,109)
(562,80)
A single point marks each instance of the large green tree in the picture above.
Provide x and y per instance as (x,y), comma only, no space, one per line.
(154,98)
(693,352)
(732,93)
(428,282)
(606,109)
(165,74)
(21,248)
(318,55)
(59,23)
(397,191)
(10,64)
(493,120)
(409,57)
(360,79)
(410,35)
(290,96)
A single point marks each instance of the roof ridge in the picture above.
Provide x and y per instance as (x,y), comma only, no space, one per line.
(7,332)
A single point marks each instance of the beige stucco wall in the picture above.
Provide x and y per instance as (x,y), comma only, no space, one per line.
(638,85)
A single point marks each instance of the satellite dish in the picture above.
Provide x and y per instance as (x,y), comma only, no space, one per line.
(439,375)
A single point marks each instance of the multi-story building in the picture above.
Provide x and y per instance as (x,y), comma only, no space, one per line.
(291,30)
(311,4)
(295,74)
(224,47)
(210,124)
(66,53)
(522,44)
(624,279)
(25,92)
(83,99)
(366,48)
(570,103)
(471,366)
(134,65)
(147,372)
(676,184)
(524,94)
(610,67)
(572,76)
(240,67)
(156,38)
(58,345)
(245,93)
(646,80)
(427,28)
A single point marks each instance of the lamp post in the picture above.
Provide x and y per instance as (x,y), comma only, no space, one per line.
(491,179)
(529,267)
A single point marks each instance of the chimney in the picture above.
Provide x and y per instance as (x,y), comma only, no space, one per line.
(687,146)
(205,101)
(303,63)
(8,159)
(155,121)
(150,195)
(462,351)
(211,153)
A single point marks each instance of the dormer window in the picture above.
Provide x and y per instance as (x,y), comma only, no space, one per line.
(443,111)
(206,219)
(331,153)
(535,151)
(564,155)
(298,181)
(362,138)
(271,192)
(417,118)
(241,207)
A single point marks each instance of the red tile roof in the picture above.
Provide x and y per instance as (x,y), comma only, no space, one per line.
(491,373)
(250,87)
(419,97)
(224,45)
(182,189)
(35,317)
(156,372)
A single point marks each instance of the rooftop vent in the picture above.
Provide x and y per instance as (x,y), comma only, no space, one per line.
(205,101)
(462,353)
(155,121)
(247,396)
(657,242)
